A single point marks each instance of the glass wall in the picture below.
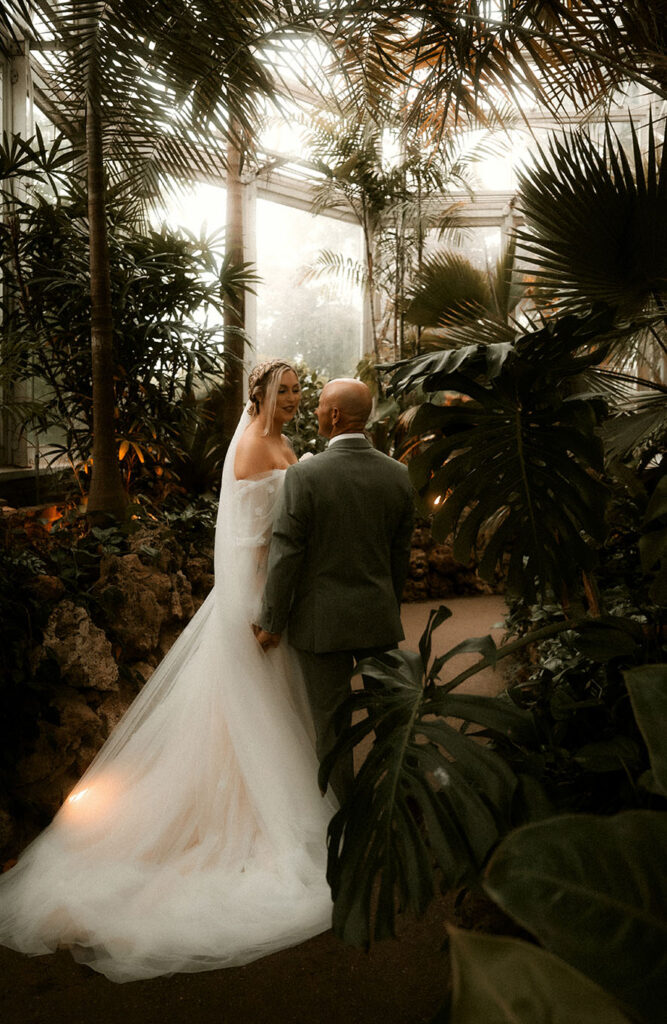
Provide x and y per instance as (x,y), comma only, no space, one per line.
(316,322)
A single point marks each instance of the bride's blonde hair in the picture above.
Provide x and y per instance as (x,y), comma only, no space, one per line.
(263,384)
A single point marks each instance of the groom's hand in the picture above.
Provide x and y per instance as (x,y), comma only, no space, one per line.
(266,640)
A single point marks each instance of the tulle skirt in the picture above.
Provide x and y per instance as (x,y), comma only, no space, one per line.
(197,838)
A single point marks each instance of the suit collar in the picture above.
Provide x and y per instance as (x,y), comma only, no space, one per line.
(350,444)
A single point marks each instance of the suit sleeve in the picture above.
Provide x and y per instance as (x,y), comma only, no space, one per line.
(401,546)
(286,555)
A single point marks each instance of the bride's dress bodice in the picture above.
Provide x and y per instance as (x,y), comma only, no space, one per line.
(254,502)
(197,838)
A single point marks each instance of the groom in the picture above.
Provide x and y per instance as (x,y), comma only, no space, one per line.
(338,560)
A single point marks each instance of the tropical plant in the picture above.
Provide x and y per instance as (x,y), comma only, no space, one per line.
(430,800)
(590,889)
(517,465)
(459,60)
(160,86)
(596,222)
(395,201)
(165,286)
(448,290)
(433,799)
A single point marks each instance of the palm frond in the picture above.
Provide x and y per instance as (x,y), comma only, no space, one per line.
(597,221)
(448,285)
(334,265)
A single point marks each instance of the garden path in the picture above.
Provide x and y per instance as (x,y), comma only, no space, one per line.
(401,981)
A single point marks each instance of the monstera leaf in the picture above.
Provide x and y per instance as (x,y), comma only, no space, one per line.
(429,797)
(514,464)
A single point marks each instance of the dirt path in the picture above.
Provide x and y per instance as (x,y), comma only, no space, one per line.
(402,981)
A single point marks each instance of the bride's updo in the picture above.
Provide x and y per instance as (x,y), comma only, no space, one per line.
(263,384)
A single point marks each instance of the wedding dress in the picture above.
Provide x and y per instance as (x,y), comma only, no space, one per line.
(197,837)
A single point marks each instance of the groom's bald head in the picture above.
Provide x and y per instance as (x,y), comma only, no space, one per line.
(344,407)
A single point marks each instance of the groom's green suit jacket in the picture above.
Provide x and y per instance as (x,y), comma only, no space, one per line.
(340,550)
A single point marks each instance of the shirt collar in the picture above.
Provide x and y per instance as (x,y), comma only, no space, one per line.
(346,437)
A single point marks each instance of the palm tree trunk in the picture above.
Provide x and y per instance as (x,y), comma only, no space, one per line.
(369,243)
(107,495)
(234,314)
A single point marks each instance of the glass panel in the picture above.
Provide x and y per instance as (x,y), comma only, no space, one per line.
(312,321)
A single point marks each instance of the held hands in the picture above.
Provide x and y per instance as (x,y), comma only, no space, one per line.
(266,640)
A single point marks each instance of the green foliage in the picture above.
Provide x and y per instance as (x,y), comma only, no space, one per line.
(497,979)
(168,294)
(23,692)
(429,795)
(517,465)
(432,799)
(448,289)
(607,242)
(303,430)
(579,881)
(653,541)
(647,686)
(448,283)
(389,200)
(591,756)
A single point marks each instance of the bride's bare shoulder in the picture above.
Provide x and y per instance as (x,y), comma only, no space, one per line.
(253,455)
(256,453)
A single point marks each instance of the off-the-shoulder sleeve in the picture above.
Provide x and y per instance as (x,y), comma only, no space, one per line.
(254,509)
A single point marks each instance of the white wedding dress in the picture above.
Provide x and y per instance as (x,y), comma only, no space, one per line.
(197,837)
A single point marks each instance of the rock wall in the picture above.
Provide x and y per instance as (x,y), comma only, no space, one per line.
(98,653)
(435,573)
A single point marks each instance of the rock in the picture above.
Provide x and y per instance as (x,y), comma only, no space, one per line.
(8,833)
(416,590)
(76,717)
(143,671)
(182,606)
(81,650)
(169,555)
(199,570)
(441,560)
(141,603)
(114,705)
(438,586)
(46,588)
(134,598)
(421,537)
(168,638)
(418,564)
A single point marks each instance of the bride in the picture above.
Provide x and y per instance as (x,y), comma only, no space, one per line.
(197,837)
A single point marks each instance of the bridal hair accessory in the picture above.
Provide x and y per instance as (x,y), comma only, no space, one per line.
(257,381)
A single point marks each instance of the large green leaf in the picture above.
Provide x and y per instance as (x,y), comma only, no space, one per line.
(593,890)
(514,465)
(497,980)
(429,798)
(647,686)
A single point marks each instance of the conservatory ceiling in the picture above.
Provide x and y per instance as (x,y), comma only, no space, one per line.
(281,170)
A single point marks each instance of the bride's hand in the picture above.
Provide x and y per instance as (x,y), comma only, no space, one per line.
(265,640)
